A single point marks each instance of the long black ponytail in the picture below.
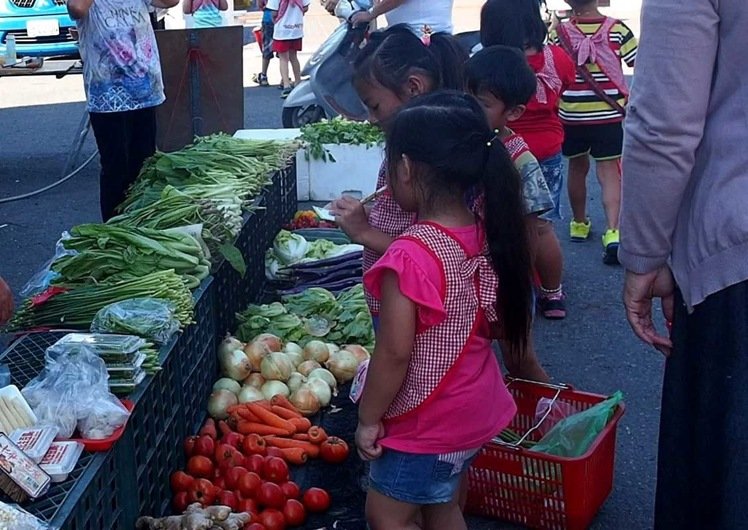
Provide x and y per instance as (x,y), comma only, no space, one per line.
(446,133)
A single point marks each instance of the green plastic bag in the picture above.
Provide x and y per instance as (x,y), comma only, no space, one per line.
(573,436)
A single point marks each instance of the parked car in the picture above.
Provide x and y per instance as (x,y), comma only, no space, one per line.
(41,27)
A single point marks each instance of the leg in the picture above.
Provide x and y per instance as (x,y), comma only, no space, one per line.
(579,167)
(445,516)
(549,264)
(265,65)
(111,136)
(526,365)
(609,176)
(701,472)
(385,513)
(294,57)
(142,130)
(283,57)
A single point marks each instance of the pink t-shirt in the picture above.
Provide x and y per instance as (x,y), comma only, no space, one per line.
(447,421)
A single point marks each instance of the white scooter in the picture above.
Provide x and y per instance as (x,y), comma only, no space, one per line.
(326,90)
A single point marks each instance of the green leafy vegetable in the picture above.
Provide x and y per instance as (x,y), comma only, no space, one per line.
(314,136)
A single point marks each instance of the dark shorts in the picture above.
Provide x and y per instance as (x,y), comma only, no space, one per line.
(267,40)
(553,172)
(602,142)
(282,46)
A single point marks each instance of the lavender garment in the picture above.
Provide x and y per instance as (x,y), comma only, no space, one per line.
(685,166)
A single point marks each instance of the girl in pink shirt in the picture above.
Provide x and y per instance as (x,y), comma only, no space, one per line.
(434,392)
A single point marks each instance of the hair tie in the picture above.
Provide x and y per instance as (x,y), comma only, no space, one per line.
(426,32)
(493,138)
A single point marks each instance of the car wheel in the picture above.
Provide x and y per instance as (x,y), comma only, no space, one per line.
(297,117)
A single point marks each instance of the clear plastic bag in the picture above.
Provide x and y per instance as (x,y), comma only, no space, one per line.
(73,392)
(573,436)
(549,412)
(44,277)
(150,318)
(15,518)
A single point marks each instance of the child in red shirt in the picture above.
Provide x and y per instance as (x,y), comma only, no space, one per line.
(517,23)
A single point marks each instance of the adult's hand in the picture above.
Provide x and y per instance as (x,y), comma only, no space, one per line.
(330,5)
(6,302)
(638,292)
(361,18)
(366,441)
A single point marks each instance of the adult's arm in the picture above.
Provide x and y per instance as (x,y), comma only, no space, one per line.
(164,4)
(187,7)
(380,8)
(665,124)
(77,9)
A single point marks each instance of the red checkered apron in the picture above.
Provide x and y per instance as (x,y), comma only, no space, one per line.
(387,216)
(469,295)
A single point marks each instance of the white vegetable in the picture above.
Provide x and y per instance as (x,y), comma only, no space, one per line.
(322,390)
(256,380)
(359,352)
(332,348)
(289,248)
(271,265)
(219,401)
(273,342)
(274,388)
(316,350)
(256,352)
(229,344)
(226,383)
(324,375)
(295,357)
(343,366)
(306,367)
(293,347)
(276,367)
(295,381)
(234,364)
(305,400)
(249,394)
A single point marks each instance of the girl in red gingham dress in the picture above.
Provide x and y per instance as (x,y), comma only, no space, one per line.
(434,393)
(394,67)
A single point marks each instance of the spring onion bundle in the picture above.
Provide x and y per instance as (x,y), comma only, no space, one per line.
(113,253)
(75,308)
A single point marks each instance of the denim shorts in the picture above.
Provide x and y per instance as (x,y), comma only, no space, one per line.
(553,171)
(419,479)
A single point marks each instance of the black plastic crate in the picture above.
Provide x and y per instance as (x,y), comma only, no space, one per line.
(202,332)
(199,382)
(289,196)
(93,503)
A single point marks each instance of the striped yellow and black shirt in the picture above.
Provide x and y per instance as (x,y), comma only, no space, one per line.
(580,105)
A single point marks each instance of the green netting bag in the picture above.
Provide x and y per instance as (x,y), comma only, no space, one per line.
(573,436)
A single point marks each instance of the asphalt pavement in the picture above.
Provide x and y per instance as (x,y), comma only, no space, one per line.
(593,349)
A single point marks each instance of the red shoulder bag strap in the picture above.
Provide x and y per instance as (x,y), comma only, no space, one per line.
(563,38)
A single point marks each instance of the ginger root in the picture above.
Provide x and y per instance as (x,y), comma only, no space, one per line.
(197,518)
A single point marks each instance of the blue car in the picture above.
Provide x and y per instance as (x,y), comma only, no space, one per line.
(41,27)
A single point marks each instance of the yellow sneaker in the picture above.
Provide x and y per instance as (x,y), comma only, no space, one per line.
(611,240)
(579,231)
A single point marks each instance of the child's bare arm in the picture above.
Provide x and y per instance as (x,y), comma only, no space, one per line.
(223,5)
(187,7)
(389,362)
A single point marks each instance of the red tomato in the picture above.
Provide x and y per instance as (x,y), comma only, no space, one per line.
(233,475)
(316,500)
(200,466)
(227,498)
(294,513)
(181,481)
(180,502)
(275,470)
(189,446)
(271,496)
(273,520)
(291,490)
(203,491)
(205,446)
(334,450)
(220,483)
(250,506)
(249,484)
(254,526)
(227,457)
(254,444)
(234,439)
(254,463)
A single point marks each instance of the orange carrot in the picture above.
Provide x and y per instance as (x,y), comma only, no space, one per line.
(285,413)
(295,455)
(249,427)
(304,437)
(264,403)
(317,435)
(282,401)
(246,414)
(269,418)
(235,408)
(302,424)
(286,443)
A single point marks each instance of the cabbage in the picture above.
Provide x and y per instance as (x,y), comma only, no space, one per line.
(289,248)
(271,265)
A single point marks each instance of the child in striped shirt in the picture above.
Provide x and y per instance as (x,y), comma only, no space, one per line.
(592,111)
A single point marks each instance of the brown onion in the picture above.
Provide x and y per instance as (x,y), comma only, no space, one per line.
(305,400)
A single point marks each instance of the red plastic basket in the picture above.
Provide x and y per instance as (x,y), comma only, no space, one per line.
(538,490)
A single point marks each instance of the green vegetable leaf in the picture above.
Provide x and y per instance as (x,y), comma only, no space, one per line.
(234,256)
